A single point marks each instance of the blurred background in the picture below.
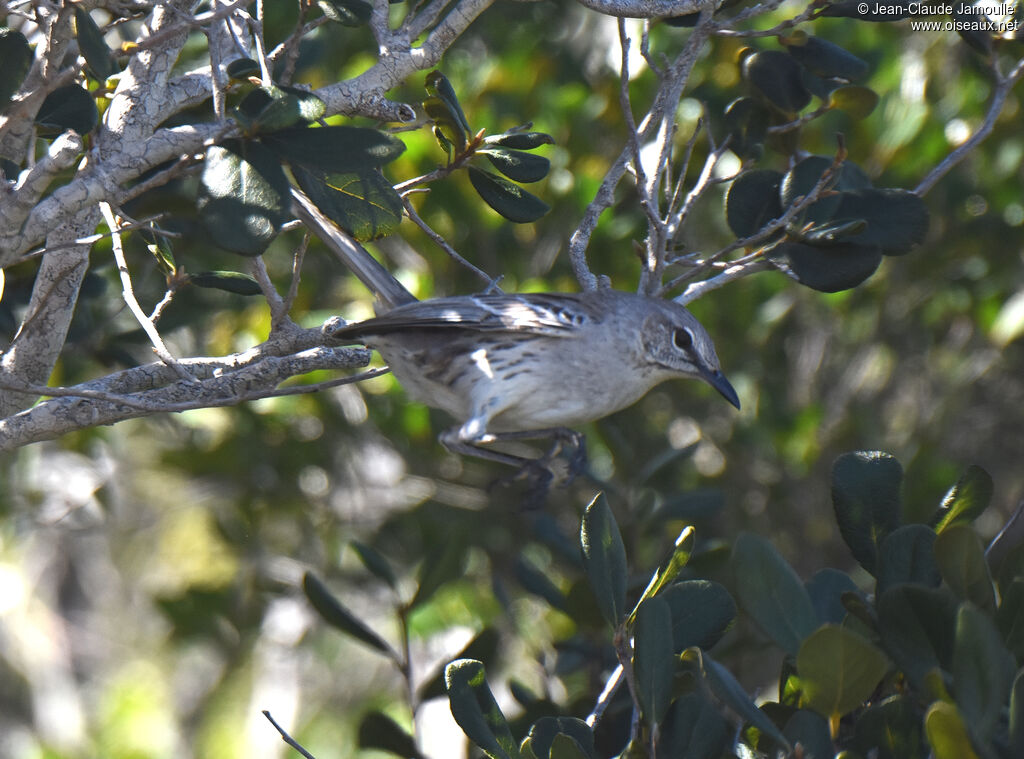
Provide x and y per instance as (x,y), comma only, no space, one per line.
(150,573)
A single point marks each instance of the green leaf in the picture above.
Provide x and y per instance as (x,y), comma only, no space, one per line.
(752,201)
(824,58)
(244,197)
(443,564)
(728,689)
(982,671)
(334,149)
(336,615)
(228,281)
(475,710)
(906,555)
(447,129)
(693,729)
(891,729)
(509,200)
(241,69)
(272,108)
(519,140)
(960,557)
(67,107)
(746,123)
(832,268)
(15,61)
(545,732)
(364,204)
(93,46)
(771,593)
(670,569)
(947,732)
(437,84)
(379,731)
(1010,618)
(839,669)
(826,589)
(538,583)
(517,165)
(604,559)
(564,747)
(810,731)
(966,500)
(347,12)
(653,659)
(776,77)
(701,611)
(378,566)
(1016,726)
(866,497)
(897,219)
(916,625)
(855,101)
(802,178)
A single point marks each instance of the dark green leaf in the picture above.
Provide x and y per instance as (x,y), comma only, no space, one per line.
(546,730)
(334,149)
(272,108)
(866,497)
(746,123)
(982,671)
(897,219)
(916,625)
(828,234)
(519,140)
(1016,727)
(347,12)
(776,76)
(443,564)
(517,165)
(68,107)
(242,68)
(228,281)
(905,555)
(728,689)
(364,204)
(653,659)
(604,559)
(509,200)
(244,197)
(810,731)
(1010,618)
(826,59)
(375,562)
(966,500)
(336,615)
(771,593)
(947,732)
(437,84)
(891,729)
(701,611)
(831,268)
(752,201)
(826,590)
(92,45)
(839,669)
(961,559)
(379,731)
(804,176)
(15,61)
(476,711)
(693,730)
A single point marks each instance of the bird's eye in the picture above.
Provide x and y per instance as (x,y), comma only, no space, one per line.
(683,338)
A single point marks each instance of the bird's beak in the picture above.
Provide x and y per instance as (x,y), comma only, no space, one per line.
(718,381)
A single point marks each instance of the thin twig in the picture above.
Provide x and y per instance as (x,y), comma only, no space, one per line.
(603,700)
(129,297)
(443,244)
(287,738)
(297,259)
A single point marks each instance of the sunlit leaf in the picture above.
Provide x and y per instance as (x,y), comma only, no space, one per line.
(838,669)
(475,710)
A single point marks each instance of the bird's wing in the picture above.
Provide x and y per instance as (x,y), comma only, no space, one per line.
(537,313)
